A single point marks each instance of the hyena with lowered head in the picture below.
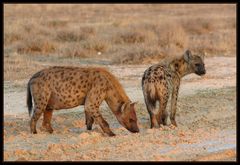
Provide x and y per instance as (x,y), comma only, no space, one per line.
(163,79)
(59,87)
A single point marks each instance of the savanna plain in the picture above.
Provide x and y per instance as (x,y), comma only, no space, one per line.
(126,39)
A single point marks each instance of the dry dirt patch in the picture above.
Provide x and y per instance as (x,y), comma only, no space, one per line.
(206,116)
(207,131)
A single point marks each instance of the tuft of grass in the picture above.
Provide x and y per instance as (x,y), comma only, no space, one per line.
(56,23)
(215,44)
(129,37)
(138,54)
(95,45)
(88,30)
(198,26)
(171,35)
(37,46)
(70,36)
(10,38)
(73,50)
(75,35)
(18,67)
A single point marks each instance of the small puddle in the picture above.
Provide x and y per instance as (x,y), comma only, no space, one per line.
(210,146)
(223,147)
(226,139)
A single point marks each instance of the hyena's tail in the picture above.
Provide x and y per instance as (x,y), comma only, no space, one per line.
(29,99)
(149,93)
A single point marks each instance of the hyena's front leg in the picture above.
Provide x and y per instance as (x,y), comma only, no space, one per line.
(99,119)
(92,109)
(89,120)
(174,104)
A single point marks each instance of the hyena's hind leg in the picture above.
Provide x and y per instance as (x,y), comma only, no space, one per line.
(163,96)
(89,120)
(37,112)
(47,117)
(163,114)
(151,107)
(40,104)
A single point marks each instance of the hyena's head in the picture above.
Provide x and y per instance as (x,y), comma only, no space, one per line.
(195,63)
(128,117)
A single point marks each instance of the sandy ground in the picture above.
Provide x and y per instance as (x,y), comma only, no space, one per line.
(206,117)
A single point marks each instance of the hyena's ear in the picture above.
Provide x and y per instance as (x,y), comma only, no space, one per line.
(133,103)
(123,107)
(203,55)
(187,55)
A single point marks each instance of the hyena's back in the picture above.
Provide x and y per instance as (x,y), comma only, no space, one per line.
(155,84)
(66,87)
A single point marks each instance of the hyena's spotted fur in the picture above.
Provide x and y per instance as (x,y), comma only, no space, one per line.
(162,80)
(67,87)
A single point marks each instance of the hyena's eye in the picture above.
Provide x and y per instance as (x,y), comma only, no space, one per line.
(197,65)
(131,120)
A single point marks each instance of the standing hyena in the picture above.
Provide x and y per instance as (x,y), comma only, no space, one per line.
(67,87)
(162,79)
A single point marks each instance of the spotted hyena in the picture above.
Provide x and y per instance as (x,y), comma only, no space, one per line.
(163,79)
(58,88)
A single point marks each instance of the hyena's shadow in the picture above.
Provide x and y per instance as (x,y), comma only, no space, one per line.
(75,122)
(62,123)
(70,122)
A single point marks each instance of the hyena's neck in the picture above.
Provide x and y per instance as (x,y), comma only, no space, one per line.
(180,67)
(115,100)
(116,95)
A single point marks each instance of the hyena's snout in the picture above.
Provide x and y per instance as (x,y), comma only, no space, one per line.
(200,69)
(133,128)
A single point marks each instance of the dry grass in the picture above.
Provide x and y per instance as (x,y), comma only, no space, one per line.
(37,46)
(95,45)
(124,34)
(129,37)
(17,67)
(199,26)
(55,24)
(72,50)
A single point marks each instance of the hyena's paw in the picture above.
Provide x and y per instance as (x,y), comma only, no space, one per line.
(89,127)
(34,132)
(46,128)
(89,123)
(172,126)
(50,130)
(161,127)
(173,122)
(164,128)
(111,134)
